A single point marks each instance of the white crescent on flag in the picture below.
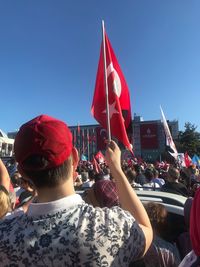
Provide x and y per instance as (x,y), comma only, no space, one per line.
(117,88)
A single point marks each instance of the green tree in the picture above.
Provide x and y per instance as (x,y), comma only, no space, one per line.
(189,140)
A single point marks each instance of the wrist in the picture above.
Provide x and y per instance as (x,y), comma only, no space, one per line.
(116,171)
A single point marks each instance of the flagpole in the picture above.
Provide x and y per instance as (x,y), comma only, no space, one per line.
(106,83)
(88,143)
(78,139)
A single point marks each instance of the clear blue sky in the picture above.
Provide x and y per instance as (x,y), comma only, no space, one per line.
(49,51)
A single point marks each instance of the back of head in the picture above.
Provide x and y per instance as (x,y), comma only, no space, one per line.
(131,175)
(84,176)
(157,214)
(91,174)
(42,148)
(138,169)
(106,193)
(98,177)
(173,174)
(149,174)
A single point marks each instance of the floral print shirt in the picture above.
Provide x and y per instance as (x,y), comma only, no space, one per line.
(69,232)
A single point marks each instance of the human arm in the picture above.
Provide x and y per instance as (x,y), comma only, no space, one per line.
(127,196)
(4,176)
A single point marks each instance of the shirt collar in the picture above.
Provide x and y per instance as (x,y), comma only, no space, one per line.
(50,207)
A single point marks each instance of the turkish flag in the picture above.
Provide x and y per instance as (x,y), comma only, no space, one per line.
(188,160)
(96,166)
(118,96)
(100,157)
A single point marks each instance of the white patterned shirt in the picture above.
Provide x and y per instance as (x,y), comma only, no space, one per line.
(69,232)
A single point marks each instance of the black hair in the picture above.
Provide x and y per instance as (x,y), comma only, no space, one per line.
(131,175)
(46,177)
(149,174)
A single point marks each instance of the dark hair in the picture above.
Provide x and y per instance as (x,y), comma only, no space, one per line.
(98,176)
(149,174)
(173,173)
(46,178)
(138,169)
(158,216)
(131,175)
(91,174)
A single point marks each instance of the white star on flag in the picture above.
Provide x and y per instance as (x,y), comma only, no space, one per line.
(112,110)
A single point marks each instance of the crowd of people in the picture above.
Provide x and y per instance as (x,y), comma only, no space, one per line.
(165,177)
(45,222)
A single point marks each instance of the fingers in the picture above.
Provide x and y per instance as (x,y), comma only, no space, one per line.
(112,150)
(111,144)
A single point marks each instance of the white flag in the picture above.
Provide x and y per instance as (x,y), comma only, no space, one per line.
(169,140)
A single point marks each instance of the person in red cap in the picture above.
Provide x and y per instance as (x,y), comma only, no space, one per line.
(59,228)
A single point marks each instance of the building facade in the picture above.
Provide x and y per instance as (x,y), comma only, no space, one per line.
(148,138)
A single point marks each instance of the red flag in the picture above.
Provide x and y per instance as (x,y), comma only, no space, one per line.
(96,166)
(118,96)
(188,160)
(100,157)
(83,143)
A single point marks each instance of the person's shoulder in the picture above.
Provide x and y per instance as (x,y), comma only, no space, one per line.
(12,217)
(17,212)
(10,224)
(114,213)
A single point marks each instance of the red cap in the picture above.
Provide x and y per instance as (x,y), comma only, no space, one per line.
(44,136)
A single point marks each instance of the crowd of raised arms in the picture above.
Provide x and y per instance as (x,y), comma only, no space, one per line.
(56,210)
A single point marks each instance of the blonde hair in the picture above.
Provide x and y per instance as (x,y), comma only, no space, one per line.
(5,203)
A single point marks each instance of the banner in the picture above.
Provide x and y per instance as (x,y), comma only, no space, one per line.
(149,136)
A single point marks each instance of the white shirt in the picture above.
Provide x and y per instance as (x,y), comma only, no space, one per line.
(69,232)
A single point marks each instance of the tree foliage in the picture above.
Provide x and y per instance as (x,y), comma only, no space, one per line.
(189,140)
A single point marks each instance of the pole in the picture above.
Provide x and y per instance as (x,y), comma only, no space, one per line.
(88,143)
(106,83)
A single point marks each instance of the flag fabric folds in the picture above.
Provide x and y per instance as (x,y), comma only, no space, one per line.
(118,96)
(188,160)
(196,160)
(169,139)
(180,159)
(96,166)
(99,157)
